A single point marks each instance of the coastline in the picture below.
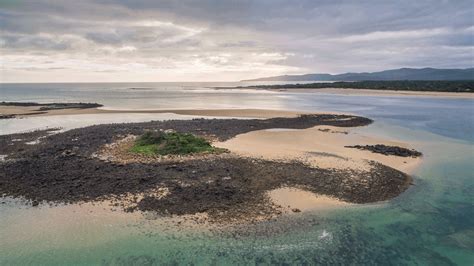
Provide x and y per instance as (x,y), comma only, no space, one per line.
(19,111)
(367,92)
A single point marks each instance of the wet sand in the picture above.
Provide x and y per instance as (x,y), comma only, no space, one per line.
(293,200)
(320,146)
(22,111)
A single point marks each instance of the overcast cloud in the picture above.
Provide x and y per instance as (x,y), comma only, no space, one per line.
(105,40)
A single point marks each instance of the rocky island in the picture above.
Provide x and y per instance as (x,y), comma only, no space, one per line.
(183,167)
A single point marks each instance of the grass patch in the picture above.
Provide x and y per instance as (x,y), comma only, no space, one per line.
(162,143)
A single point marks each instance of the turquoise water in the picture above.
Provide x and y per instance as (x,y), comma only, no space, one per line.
(431,224)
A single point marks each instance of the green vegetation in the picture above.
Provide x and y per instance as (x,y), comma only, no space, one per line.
(162,143)
(402,85)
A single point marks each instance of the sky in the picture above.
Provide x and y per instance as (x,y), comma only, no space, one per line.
(218,40)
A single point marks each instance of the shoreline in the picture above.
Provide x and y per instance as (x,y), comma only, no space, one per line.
(21,112)
(368,92)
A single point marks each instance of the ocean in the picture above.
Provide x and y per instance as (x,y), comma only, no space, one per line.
(430,224)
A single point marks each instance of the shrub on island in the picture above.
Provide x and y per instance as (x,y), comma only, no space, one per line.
(173,143)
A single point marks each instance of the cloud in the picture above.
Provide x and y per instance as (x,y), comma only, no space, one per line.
(41,41)
(228,40)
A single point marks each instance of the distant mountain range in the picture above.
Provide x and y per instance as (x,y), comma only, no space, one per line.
(393,74)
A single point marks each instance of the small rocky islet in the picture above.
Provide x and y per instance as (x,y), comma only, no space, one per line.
(65,168)
(388,150)
(42,108)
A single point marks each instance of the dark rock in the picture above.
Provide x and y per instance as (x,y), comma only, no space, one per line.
(52,106)
(7,116)
(388,150)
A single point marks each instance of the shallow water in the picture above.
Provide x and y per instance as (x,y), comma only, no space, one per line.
(431,224)
(66,122)
(448,117)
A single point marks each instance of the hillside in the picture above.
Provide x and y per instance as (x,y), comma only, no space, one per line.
(401,85)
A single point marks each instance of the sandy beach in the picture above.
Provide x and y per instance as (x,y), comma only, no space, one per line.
(21,111)
(299,199)
(320,146)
